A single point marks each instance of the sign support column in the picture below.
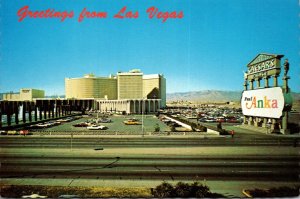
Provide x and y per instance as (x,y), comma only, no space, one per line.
(286,91)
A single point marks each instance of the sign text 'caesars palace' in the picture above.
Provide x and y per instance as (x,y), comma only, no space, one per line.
(263,66)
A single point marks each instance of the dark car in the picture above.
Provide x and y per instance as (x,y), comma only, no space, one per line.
(105,120)
(233,120)
(83,124)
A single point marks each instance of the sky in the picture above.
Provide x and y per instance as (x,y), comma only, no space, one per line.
(209,47)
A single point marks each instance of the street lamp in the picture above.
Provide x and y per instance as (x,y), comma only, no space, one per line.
(71,141)
(143,117)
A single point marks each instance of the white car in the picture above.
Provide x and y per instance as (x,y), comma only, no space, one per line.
(34,196)
(96,127)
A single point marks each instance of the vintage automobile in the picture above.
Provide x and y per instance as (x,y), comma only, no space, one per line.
(25,132)
(82,124)
(96,127)
(34,196)
(12,132)
(132,121)
(105,120)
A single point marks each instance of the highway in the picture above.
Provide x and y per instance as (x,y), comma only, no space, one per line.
(150,158)
(150,141)
(226,168)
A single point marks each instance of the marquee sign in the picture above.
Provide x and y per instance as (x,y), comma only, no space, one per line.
(264,65)
(268,102)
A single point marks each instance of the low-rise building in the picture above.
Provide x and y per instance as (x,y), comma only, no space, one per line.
(25,94)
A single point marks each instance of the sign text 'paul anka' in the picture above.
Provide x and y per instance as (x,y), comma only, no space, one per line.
(267,102)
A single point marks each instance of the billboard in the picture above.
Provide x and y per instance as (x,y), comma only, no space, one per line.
(268,102)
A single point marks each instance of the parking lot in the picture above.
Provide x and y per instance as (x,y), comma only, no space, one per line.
(116,124)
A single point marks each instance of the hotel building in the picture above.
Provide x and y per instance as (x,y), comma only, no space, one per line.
(130,85)
(130,92)
(25,94)
(91,87)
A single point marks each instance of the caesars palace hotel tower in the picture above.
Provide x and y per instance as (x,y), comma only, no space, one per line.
(130,92)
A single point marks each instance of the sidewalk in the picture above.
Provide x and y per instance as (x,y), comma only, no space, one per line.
(128,135)
(230,189)
(265,131)
(254,129)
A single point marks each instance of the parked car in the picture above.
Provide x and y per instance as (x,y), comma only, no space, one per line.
(202,119)
(41,125)
(68,119)
(233,121)
(3,132)
(96,127)
(105,120)
(68,196)
(132,121)
(24,132)
(49,124)
(12,133)
(34,196)
(52,123)
(82,124)
(221,120)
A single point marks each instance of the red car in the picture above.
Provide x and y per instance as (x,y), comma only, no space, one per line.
(232,121)
(24,132)
(221,120)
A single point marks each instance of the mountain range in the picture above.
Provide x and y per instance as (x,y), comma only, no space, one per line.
(212,96)
(201,96)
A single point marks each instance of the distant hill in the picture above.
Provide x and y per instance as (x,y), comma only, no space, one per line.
(55,96)
(296,96)
(211,96)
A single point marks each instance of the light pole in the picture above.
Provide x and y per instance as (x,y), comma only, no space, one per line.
(143,118)
(71,141)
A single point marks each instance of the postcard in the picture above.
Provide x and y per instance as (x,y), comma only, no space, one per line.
(149,98)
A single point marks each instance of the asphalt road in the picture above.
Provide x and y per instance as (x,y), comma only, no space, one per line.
(140,142)
(190,168)
(163,158)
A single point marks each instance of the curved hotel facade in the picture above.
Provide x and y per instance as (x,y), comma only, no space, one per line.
(130,92)
(90,86)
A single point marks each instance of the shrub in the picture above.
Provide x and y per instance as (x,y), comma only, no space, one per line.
(173,129)
(202,128)
(156,128)
(224,132)
(183,190)
(200,191)
(163,190)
